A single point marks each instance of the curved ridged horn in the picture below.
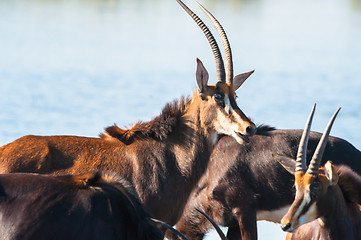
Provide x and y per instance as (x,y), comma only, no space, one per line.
(317,156)
(302,148)
(225,42)
(215,49)
(175,231)
(215,225)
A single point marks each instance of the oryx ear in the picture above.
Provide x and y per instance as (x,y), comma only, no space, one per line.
(288,163)
(331,173)
(240,79)
(201,77)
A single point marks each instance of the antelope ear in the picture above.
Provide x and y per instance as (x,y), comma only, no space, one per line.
(240,79)
(201,77)
(331,173)
(288,163)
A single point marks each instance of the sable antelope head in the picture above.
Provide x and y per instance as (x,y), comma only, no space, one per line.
(218,101)
(312,183)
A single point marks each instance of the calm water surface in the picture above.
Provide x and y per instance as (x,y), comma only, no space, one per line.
(75,67)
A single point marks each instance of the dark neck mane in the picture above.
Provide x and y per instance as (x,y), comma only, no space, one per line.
(161,126)
(264,130)
(158,128)
(350,184)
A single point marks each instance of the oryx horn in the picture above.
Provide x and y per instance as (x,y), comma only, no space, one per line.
(317,156)
(175,231)
(215,225)
(302,148)
(215,49)
(225,42)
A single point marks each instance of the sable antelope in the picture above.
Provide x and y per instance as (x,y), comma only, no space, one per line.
(165,157)
(98,205)
(243,183)
(329,194)
(92,206)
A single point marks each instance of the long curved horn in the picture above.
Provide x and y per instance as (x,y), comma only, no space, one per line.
(215,49)
(317,156)
(215,225)
(175,231)
(225,42)
(302,148)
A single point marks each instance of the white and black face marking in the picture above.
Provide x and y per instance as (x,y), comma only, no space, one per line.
(304,207)
(307,211)
(230,119)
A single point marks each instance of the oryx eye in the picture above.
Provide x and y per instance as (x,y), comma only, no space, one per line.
(218,97)
(315,188)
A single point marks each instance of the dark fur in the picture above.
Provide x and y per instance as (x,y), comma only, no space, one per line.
(158,128)
(264,130)
(93,206)
(244,179)
(350,184)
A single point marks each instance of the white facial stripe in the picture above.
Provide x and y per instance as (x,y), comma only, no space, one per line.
(302,220)
(224,125)
(235,115)
(229,125)
(228,106)
(306,200)
(309,216)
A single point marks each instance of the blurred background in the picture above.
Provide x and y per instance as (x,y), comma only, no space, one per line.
(76,67)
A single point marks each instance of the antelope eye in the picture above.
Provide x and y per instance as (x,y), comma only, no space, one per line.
(218,97)
(315,188)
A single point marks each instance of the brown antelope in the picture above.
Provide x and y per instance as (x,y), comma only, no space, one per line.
(165,157)
(326,205)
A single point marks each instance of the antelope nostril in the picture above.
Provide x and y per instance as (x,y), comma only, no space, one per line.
(250,131)
(286,227)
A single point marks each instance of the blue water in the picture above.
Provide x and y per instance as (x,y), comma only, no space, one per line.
(75,67)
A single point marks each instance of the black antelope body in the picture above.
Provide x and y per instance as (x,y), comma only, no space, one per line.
(163,158)
(327,199)
(244,183)
(95,206)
